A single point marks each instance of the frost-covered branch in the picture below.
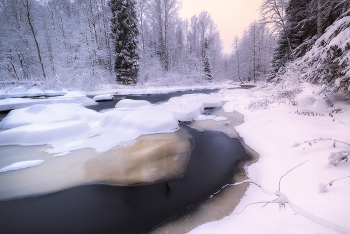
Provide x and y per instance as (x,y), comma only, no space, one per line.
(283,200)
(310,142)
(279,184)
(323,187)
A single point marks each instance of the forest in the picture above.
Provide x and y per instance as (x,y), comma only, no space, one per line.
(120,116)
(72,44)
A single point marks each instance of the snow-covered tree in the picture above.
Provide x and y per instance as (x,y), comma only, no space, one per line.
(125,40)
(252,53)
(328,62)
(206,61)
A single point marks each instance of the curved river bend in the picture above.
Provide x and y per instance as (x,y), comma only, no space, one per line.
(130,209)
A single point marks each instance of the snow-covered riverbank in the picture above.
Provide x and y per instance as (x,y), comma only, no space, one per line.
(287,128)
(287,124)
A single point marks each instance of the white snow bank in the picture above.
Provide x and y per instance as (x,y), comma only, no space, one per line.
(272,132)
(40,114)
(18,90)
(150,119)
(21,165)
(105,97)
(205,117)
(21,91)
(132,104)
(209,117)
(68,127)
(220,118)
(71,97)
(189,107)
(40,134)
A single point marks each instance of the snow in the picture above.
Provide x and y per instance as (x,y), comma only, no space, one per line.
(220,118)
(272,131)
(22,91)
(190,106)
(274,127)
(132,104)
(205,117)
(39,114)
(21,165)
(70,97)
(68,127)
(213,117)
(103,97)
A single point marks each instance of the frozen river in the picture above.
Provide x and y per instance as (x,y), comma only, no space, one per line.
(136,208)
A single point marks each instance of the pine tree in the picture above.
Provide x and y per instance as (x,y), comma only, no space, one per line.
(206,61)
(302,26)
(124,34)
(281,55)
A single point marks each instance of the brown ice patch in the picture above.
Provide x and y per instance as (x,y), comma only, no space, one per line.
(150,158)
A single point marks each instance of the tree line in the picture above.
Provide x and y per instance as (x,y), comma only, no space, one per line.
(64,43)
(298,24)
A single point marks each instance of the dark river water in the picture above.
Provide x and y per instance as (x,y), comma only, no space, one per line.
(129,209)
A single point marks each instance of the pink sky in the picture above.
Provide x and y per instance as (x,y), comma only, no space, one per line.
(231,16)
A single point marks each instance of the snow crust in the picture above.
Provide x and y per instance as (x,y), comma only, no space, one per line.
(103,97)
(190,106)
(21,165)
(68,127)
(132,104)
(272,131)
(70,97)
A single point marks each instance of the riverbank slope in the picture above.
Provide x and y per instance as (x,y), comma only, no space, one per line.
(288,126)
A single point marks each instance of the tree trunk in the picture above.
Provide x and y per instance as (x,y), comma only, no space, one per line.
(239,77)
(27,7)
(319,19)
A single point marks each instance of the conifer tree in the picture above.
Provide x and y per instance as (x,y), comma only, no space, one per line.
(206,61)
(124,34)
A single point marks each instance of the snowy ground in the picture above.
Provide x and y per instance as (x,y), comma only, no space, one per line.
(274,129)
(286,127)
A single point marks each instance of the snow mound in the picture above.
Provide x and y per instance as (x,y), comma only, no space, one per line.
(205,100)
(72,97)
(306,98)
(21,165)
(17,90)
(220,118)
(68,127)
(205,117)
(210,117)
(39,114)
(132,104)
(105,97)
(39,134)
(189,107)
(146,120)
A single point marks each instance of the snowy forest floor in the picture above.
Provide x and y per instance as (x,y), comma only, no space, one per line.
(288,127)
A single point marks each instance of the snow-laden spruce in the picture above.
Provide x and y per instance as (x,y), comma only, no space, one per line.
(328,62)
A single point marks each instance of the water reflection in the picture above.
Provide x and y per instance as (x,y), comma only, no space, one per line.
(223,203)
